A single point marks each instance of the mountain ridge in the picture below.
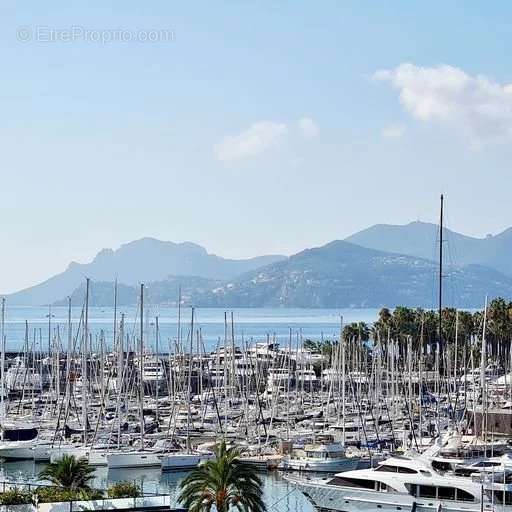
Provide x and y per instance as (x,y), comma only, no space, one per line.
(406,252)
(338,274)
(145,259)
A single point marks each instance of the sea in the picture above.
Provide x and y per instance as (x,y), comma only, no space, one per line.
(42,325)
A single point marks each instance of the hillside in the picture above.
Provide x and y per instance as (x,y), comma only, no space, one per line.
(341,274)
(166,292)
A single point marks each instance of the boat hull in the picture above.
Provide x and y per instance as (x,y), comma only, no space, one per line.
(133,460)
(327,466)
(331,499)
(176,462)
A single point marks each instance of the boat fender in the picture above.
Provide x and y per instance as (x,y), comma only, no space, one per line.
(414,506)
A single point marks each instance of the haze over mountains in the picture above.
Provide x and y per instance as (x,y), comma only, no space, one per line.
(419,239)
(382,265)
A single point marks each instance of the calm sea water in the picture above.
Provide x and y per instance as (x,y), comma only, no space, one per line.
(249,324)
(280,496)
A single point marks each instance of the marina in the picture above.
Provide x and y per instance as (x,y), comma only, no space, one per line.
(330,422)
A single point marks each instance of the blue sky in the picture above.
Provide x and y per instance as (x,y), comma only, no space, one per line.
(262,127)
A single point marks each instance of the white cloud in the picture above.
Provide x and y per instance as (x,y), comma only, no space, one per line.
(308,127)
(257,139)
(393,131)
(475,105)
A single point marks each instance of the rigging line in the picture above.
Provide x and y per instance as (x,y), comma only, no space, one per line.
(288,494)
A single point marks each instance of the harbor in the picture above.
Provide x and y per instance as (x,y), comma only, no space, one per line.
(316,417)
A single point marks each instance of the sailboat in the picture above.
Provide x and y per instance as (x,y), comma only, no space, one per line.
(141,457)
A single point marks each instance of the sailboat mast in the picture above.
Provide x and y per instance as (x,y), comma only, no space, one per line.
(157,335)
(114,334)
(84,362)
(2,341)
(440,327)
(141,366)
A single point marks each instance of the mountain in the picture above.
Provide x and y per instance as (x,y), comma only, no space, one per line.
(144,260)
(339,274)
(342,274)
(419,239)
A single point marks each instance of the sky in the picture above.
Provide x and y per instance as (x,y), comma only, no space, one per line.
(247,127)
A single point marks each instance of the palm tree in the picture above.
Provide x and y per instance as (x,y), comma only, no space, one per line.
(222,483)
(69,472)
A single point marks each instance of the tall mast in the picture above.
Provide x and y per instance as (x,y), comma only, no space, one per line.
(49,331)
(114,337)
(440,327)
(158,368)
(84,362)
(189,385)
(179,318)
(68,357)
(2,341)
(120,375)
(343,376)
(141,366)
(483,363)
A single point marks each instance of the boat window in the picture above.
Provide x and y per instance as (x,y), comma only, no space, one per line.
(353,482)
(396,469)
(486,464)
(424,472)
(427,491)
(387,469)
(464,495)
(441,465)
(382,487)
(446,493)
(409,471)
(502,497)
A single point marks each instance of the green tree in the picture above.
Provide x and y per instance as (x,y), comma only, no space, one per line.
(69,472)
(223,482)
(356,331)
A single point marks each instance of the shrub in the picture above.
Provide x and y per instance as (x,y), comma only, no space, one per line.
(15,496)
(55,495)
(124,490)
(89,494)
(58,494)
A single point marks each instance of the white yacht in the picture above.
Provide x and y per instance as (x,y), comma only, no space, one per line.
(407,484)
(18,442)
(326,457)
